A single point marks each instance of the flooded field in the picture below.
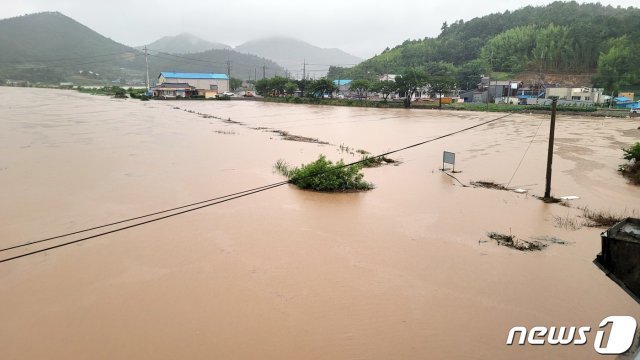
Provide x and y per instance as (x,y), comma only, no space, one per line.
(405,271)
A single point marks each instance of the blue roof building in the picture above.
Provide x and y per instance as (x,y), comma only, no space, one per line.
(342,85)
(177,75)
(342,82)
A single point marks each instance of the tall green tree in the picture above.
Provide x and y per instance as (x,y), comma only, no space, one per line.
(384,87)
(620,65)
(441,78)
(409,82)
(470,73)
(361,88)
(275,86)
(321,87)
(510,51)
(234,83)
(262,87)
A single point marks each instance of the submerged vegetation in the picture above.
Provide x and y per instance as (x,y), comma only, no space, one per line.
(488,184)
(591,218)
(106,90)
(324,175)
(369,161)
(602,218)
(631,170)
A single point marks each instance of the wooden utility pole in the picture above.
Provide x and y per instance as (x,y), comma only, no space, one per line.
(229,73)
(488,88)
(304,76)
(304,69)
(146,60)
(552,129)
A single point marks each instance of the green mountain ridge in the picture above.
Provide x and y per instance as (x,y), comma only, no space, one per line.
(184,43)
(50,47)
(291,53)
(559,38)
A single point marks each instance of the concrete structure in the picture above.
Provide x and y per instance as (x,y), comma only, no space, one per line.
(499,89)
(620,254)
(207,85)
(576,94)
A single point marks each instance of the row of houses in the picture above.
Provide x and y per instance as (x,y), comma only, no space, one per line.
(209,85)
(507,91)
(516,92)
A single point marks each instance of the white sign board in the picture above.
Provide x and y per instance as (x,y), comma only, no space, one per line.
(448,158)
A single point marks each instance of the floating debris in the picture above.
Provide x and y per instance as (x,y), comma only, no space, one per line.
(569,197)
(551,239)
(513,242)
(225,132)
(489,185)
(287,136)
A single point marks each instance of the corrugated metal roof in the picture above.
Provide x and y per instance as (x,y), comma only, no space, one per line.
(176,75)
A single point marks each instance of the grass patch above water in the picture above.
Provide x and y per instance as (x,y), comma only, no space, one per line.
(603,218)
(324,175)
(375,161)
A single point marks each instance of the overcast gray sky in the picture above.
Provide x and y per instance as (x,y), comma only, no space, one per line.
(360,27)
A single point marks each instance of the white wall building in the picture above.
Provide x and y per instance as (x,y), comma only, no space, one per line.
(576,94)
(205,84)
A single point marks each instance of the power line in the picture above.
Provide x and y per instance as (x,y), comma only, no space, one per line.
(222,199)
(133,218)
(525,153)
(142,223)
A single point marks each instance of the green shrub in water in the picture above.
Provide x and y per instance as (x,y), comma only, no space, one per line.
(324,175)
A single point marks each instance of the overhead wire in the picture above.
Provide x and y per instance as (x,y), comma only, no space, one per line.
(218,200)
(130,219)
(525,153)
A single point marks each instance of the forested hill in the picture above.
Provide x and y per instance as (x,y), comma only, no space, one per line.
(562,37)
(50,47)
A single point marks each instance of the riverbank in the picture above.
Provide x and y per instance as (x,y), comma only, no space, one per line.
(434,105)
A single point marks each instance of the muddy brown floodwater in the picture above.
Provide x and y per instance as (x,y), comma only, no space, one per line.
(405,271)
